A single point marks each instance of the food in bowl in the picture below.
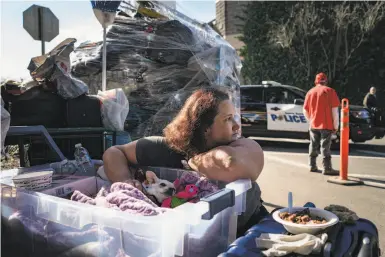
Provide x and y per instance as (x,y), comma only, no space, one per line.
(310,227)
(302,217)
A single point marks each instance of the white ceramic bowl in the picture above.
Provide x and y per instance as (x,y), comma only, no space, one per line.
(33,180)
(312,229)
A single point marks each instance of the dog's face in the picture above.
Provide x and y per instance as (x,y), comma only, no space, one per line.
(159,188)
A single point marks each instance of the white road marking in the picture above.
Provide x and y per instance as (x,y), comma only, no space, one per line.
(281,139)
(333,155)
(367,176)
(286,161)
(370,152)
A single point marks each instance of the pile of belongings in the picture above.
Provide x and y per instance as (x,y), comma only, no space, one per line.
(55,99)
(158,56)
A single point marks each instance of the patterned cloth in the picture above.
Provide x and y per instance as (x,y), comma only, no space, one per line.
(121,196)
(205,186)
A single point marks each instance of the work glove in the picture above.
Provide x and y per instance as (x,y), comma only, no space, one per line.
(280,245)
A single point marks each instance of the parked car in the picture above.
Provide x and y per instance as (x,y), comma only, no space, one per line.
(275,110)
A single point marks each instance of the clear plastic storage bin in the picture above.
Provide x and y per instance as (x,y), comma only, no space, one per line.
(42,225)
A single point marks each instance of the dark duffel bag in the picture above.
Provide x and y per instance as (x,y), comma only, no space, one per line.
(356,240)
(84,111)
(37,106)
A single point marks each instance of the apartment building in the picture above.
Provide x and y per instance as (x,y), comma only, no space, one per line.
(227,21)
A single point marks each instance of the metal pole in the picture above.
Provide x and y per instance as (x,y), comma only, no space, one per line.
(104,67)
(41,30)
(42,47)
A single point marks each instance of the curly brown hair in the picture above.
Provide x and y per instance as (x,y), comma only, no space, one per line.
(186,132)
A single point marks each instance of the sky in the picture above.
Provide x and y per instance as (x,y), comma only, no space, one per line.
(76,20)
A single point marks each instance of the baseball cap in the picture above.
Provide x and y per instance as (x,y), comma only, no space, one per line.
(321,78)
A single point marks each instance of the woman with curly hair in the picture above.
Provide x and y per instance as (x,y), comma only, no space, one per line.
(204,134)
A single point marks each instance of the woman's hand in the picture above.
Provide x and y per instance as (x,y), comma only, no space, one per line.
(186,165)
(191,163)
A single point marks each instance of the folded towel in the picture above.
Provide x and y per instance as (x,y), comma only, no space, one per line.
(279,245)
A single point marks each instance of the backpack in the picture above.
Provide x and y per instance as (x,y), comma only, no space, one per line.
(357,240)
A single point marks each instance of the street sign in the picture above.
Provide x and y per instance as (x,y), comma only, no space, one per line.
(41,24)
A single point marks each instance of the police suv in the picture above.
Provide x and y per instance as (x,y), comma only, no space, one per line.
(275,110)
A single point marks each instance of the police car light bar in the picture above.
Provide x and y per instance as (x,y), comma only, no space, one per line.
(270,83)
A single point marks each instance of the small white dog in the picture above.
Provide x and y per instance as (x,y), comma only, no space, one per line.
(158,188)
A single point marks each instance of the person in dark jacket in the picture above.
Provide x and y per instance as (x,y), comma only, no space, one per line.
(370,100)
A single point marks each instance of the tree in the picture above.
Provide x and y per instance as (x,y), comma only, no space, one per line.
(259,54)
(292,41)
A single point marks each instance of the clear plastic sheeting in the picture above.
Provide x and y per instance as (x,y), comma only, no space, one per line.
(158,57)
(27,84)
(5,123)
(54,68)
(67,86)
(115,108)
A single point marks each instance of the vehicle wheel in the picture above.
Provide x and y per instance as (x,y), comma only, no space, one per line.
(379,134)
(358,141)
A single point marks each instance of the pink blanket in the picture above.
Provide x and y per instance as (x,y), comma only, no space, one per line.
(121,196)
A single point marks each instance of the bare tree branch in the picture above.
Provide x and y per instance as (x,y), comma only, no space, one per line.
(346,27)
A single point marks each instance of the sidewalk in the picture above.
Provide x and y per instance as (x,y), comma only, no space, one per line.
(279,178)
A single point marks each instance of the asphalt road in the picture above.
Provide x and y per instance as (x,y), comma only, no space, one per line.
(286,170)
(364,158)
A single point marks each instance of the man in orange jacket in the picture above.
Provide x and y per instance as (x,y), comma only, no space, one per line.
(321,111)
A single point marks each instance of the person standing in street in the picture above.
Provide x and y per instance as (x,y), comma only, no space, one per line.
(321,111)
(370,103)
(370,100)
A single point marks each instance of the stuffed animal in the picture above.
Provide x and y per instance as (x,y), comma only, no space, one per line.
(189,193)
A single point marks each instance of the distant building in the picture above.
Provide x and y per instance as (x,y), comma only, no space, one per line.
(227,22)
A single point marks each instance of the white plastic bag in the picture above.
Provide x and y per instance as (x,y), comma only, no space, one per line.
(5,123)
(115,108)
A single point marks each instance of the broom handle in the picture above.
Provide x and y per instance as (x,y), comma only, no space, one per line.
(104,77)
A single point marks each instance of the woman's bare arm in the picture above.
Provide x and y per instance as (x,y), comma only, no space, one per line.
(242,159)
(117,160)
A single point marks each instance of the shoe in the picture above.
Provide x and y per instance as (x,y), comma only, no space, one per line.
(330,172)
(313,164)
(327,168)
(314,169)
